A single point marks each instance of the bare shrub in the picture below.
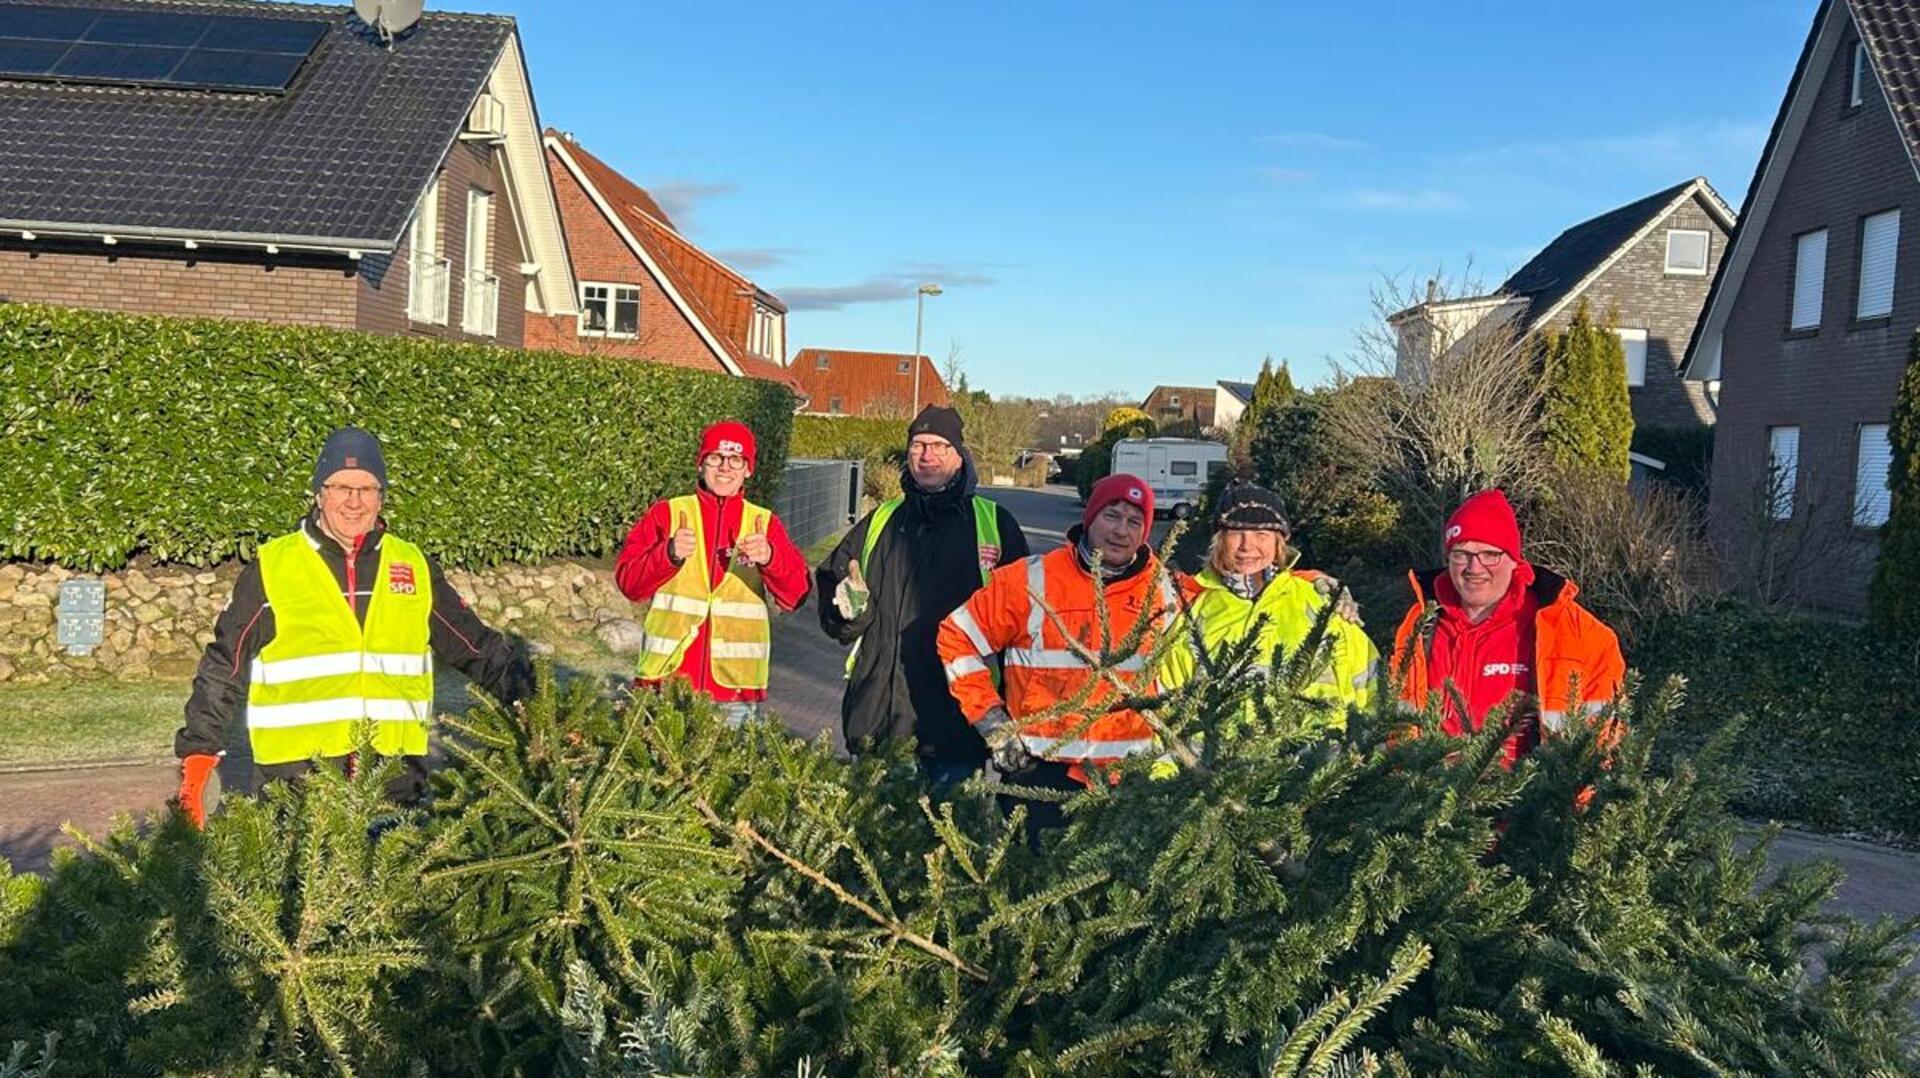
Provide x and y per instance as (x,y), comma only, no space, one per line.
(1637,555)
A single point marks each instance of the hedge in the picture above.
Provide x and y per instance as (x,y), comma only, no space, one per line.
(880,442)
(192,440)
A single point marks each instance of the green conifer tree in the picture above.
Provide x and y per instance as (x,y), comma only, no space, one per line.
(1588,415)
(1895,600)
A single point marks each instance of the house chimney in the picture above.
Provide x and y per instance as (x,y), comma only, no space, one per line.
(1433,289)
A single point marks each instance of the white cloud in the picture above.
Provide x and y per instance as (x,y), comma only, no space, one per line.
(1418,200)
(1311,140)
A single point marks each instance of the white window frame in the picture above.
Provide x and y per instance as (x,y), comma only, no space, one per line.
(1629,337)
(1706,252)
(1783,469)
(613,290)
(1858,76)
(763,335)
(480,298)
(427,271)
(1872,492)
(1879,263)
(820,362)
(1809,280)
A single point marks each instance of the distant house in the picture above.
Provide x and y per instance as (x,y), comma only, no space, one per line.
(1647,265)
(1230,400)
(286,166)
(839,382)
(1176,404)
(1809,319)
(646,291)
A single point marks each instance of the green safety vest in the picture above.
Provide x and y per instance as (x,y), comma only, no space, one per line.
(741,641)
(986,533)
(324,672)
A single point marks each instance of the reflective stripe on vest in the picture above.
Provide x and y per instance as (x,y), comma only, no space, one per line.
(986,534)
(740,633)
(324,673)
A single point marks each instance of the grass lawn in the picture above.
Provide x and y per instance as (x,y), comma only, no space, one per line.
(89,720)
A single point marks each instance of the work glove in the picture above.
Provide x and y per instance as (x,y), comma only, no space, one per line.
(850,596)
(195,770)
(1003,740)
(1343,603)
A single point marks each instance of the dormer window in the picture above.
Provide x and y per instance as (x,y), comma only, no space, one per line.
(763,334)
(905,367)
(820,364)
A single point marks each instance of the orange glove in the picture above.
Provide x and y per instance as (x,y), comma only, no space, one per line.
(194,772)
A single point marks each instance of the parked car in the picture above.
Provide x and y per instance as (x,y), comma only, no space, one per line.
(1176,468)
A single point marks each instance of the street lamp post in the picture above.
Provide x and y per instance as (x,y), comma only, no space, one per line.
(919,320)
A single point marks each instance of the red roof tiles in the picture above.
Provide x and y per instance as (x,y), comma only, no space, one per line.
(839,382)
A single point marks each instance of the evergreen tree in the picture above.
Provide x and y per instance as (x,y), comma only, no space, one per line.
(1588,415)
(1096,460)
(1895,600)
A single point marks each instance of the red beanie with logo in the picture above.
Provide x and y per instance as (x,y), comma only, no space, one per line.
(1488,518)
(1120,487)
(728,436)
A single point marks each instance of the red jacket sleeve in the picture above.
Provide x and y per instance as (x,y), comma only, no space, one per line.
(785,575)
(644,565)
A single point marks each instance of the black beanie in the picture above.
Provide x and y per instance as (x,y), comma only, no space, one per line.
(940,422)
(1247,507)
(349,447)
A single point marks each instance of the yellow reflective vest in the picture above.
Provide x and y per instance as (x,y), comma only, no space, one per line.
(1290,606)
(735,611)
(324,672)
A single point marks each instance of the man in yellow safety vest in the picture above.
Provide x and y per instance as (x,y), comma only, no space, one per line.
(706,563)
(335,624)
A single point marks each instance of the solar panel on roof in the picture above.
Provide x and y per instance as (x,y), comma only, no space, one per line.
(154,48)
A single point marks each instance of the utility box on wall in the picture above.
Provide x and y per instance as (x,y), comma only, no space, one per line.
(82,614)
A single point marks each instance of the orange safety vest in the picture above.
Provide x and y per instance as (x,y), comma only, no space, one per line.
(1040,670)
(1577,661)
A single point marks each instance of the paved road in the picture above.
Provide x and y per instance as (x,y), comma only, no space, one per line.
(806,689)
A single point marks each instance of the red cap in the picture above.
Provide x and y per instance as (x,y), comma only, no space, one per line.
(1119,487)
(728,436)
(1484,518)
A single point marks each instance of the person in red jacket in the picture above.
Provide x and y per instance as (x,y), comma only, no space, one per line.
(1502,628)
(746,554)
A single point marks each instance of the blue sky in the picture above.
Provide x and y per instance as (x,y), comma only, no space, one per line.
(1119,195)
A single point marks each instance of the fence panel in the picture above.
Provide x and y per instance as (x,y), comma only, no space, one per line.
(818,498)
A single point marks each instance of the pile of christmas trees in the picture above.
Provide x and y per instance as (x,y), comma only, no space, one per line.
(632,888)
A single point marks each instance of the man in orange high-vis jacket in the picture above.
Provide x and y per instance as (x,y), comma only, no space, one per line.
(1502,627)
(1106,554)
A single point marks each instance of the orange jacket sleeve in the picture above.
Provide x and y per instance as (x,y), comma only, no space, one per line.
(991,621)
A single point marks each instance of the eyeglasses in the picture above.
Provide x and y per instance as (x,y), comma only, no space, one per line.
(1487,558)
(349,491)
(731,462)
(932,449)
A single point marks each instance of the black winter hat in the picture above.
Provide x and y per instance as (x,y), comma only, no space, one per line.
(938,421)
(349,447)
(1247,507)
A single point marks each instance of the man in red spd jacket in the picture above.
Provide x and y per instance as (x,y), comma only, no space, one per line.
(706,563)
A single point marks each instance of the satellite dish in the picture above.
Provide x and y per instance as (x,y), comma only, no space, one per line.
(390,18)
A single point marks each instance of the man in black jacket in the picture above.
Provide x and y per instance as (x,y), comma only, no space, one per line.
(928,554)
(345,529)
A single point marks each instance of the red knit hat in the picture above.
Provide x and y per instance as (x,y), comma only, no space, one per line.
(1119,487)
(1487,518)
(728,436)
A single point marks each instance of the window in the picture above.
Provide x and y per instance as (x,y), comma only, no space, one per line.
(904,367)
(1809,278)
(763,336)
(1183,467)
(1861,76)
(833,406)
(480,312)
(1173,400)
(1215,467)
(427,272)
(1634,343)
(1879,236)
(821,363)
(609,310)
(1872,496)
(1687,252)
(1783,469)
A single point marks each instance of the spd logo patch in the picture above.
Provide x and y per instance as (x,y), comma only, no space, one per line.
(989,557)
(400,578)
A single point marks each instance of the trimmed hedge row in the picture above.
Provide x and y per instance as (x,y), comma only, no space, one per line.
(881,442)
(191,440)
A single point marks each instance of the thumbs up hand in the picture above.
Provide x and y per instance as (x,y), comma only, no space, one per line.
(684,541)
(850,596)
(755,547)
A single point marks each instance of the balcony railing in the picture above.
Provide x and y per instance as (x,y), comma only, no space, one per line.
(482,307)
(427,279)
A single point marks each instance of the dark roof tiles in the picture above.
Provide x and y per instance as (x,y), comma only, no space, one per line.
(1560,267)
(342,156)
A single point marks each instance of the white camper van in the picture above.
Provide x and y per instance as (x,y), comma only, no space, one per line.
(1176,468)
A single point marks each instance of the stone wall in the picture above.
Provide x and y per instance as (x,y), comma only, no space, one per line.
(159,618)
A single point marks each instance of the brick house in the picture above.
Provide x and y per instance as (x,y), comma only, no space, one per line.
(1647,264)
(1809,319)
(1177,404)
(276,162)
(839,382)
(646,291)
